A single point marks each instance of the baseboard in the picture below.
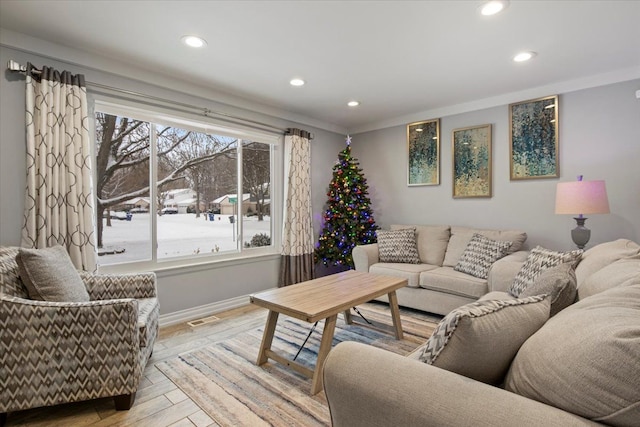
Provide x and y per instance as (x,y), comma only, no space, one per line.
(202,311)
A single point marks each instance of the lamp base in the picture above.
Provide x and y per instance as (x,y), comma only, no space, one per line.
(580,234)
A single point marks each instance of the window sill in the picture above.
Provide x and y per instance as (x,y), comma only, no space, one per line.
(169,268)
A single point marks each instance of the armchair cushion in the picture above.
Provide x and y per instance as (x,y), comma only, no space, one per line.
(49,275)
(148,313)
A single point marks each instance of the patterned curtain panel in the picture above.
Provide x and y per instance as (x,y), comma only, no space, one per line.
(296,264)
(59,201)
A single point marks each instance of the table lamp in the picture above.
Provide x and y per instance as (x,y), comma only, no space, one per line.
(579,198)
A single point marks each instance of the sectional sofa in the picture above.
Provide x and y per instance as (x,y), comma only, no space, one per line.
(579,368)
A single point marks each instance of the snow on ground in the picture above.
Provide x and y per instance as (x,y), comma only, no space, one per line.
(178,235)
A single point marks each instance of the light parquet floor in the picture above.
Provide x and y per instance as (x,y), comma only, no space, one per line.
(159,402)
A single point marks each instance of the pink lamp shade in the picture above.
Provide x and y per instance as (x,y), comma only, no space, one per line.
(582,197)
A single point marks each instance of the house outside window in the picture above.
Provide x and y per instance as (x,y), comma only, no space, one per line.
(167,189)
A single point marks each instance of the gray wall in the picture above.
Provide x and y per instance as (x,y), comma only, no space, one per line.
(599,138)
(181,288)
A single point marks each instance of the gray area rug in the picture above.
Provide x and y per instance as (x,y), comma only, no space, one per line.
(225,382)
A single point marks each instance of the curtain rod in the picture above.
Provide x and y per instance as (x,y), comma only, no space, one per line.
(17,67)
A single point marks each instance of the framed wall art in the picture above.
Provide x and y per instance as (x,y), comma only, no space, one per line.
(423,149)
(533,139)
(472,161)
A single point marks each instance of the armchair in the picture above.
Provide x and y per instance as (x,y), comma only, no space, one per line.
(60,352)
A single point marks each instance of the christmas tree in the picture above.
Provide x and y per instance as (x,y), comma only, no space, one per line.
(348,218)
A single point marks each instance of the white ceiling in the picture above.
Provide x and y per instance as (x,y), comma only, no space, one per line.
(400,59)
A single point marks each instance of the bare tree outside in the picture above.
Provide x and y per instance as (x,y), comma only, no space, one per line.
(195,147)
(256,171)
(122,163)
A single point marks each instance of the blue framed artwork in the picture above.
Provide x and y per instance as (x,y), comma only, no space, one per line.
(472,161)
(533,134)
(423,146)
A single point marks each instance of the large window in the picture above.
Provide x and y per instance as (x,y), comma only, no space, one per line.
(171,189)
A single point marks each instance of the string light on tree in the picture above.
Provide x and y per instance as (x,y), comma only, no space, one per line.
(348,217)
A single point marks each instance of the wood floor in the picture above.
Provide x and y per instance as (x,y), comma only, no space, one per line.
(158,401)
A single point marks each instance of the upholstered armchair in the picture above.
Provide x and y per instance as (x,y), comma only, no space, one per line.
(59,352)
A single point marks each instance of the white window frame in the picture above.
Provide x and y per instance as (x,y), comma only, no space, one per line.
(193,122)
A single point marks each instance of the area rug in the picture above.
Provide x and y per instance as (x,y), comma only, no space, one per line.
(225,382)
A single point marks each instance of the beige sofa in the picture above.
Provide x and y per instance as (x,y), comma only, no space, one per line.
(580,368)
(434,285)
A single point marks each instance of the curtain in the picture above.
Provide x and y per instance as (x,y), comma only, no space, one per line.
(296,264)
(59,200)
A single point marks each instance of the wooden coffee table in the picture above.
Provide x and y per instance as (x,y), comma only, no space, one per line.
(319,299)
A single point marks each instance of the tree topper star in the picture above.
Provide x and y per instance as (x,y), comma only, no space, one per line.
(348,140)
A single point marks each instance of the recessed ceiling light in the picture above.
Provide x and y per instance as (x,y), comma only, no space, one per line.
(194,41)
(296,82)
(524,56)
(353,103)
(492,7)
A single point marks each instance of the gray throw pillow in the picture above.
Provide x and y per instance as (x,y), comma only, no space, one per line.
(538,260)
(49,275)
(398,246)
(559,283)
(480,254)
(479,340)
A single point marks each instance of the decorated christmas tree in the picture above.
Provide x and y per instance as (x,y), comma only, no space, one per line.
(348,218)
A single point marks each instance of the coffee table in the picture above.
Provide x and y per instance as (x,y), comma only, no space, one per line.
(319,299)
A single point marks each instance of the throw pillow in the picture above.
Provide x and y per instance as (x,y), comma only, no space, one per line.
(585,359)
(538,260)
(479,340)
(559,283)
(49,275)
(480,254)
(398,246)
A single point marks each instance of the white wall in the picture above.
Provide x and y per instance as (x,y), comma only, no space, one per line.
(179,289)
(599,138)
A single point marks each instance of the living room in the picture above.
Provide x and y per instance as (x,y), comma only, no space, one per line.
(599,122)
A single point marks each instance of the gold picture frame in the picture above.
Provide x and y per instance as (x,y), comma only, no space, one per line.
(423,153)
(472,162)
(533,139)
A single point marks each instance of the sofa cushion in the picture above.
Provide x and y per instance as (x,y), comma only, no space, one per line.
(398,246)
(559,283)
(624,272)
(411,272)
(432,241)
(480,254)
(460,237)
(479,340)
(538,260)
(49,275)
(447,280)
(499,295)
(604,254)
(585,359)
